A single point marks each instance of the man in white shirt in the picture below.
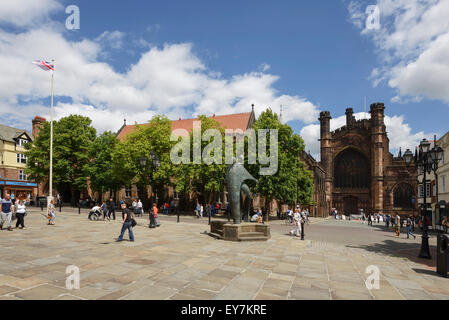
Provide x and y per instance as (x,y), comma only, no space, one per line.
(139,207)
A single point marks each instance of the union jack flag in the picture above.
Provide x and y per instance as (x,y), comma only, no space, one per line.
(44,65)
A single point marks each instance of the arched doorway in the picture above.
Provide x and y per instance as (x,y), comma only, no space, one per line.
(350,205)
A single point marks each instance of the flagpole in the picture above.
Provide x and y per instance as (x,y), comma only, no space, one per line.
(51,142)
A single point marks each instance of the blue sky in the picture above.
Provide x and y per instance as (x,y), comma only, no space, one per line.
(308,55)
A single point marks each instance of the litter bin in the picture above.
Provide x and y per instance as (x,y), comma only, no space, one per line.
(443,254)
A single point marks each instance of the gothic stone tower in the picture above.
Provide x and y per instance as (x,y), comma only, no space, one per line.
(361,173)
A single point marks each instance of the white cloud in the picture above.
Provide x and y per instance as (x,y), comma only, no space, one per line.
(113,39)
(27,12)
(264,67)
(170,79)
(412,44)
(399,133)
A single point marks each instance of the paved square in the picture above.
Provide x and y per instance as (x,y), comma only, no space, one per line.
(179,261)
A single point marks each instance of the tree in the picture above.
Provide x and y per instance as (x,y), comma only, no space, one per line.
(200,178)
(292,182)
(99,169)
(72,137)
(154,136)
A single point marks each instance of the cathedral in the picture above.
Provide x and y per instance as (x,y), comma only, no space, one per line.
(360,172)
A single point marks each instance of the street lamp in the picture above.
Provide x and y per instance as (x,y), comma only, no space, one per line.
(155,163)
(426,162)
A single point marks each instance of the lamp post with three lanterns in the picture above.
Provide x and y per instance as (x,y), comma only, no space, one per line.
(426,161)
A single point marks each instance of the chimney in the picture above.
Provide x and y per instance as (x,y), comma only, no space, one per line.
(37,125)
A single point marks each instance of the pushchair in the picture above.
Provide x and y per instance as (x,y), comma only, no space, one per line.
(95,213)
(288,217)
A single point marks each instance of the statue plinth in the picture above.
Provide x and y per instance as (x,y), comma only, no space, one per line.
(240,232)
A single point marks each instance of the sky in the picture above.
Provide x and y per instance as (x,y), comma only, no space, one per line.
(137,59)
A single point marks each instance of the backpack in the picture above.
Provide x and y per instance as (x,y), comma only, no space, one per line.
(131,215)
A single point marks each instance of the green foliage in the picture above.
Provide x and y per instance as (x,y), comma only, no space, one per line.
(99,169)
(154,136)
(292,182)
(202,177)
(72,137)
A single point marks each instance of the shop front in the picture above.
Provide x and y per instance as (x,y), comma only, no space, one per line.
(19,190)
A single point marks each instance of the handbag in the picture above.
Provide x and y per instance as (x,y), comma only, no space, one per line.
(133,222)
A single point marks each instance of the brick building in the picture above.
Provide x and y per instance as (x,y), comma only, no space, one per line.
(360,172)
(13,179)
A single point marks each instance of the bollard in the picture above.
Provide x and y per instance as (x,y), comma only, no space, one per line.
(79,208)
(177,213)
(152,222)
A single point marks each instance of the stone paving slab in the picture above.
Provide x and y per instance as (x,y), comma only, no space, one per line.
(179,261)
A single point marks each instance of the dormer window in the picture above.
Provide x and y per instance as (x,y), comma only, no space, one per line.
(22,142)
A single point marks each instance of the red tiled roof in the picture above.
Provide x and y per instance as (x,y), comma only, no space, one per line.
(229,121)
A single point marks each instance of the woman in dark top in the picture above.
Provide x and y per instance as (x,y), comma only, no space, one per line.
(111,209)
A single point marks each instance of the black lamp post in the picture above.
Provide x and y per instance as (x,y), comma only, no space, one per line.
(155,163)
(426,161)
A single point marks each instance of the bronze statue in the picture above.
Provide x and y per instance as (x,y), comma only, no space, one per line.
(235,180)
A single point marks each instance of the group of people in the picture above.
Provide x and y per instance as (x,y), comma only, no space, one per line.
(371,218)
(299,218)
(108,209)
(8,209)
(396,222)
(210,210)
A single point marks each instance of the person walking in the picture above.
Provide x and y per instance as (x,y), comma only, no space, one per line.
(111,209)
(217,208)
(302,222)
(198,210)
(409,227)
(370,219)
(201,211)
(127,223)
(134,204)
(51,213)
(208,210)
(20,214)
(166,208)
(156,219)
(7,211)
(397,225)
(296,220)
(104,207)
(139,208)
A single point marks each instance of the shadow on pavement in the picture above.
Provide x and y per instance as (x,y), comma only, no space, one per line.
(400,249)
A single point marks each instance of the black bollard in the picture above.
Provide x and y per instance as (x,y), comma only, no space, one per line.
(42,205)
(79,207)
(60,205)
(177,213)
(152,222)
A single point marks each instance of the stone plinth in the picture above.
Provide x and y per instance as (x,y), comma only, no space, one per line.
(240,232)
